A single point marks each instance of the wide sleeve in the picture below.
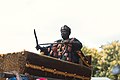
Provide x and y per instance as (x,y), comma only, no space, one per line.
(76,45)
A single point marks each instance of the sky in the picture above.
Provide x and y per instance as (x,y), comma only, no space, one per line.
(93,22)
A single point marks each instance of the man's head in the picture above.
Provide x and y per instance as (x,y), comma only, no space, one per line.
(65,32)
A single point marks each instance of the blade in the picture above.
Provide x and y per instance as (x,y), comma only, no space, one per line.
(36,37)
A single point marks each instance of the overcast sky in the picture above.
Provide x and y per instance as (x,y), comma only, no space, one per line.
(93,22)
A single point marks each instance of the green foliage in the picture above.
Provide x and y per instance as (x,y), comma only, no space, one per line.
(104,60)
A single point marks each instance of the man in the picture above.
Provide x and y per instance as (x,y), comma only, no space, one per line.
(64,48)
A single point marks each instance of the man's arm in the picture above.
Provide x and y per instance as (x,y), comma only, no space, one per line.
(42,49)
(18,77)
(76,44)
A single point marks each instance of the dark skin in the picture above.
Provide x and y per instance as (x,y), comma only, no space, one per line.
(65,35)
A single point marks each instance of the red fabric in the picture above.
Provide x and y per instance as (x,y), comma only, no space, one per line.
(42,79)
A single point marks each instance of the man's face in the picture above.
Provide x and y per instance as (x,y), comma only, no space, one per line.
(65,34)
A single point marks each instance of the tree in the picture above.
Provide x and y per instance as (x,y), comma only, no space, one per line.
(111,57)
(104,60)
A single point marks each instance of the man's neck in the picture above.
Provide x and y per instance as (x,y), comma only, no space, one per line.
(66,38)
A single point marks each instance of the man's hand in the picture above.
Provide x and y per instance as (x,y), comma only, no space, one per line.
(42,49)
(38,47)
(18,77)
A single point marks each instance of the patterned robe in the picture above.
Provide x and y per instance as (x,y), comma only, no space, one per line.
(66,51)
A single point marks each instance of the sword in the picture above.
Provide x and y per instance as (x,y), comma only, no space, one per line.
(75,42)
(48,43)
(36,37)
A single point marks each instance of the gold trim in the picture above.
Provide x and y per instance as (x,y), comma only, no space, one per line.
(85,62)
(54,71)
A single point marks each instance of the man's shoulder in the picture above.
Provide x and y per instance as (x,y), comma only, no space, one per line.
(60,40)
(75,39)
